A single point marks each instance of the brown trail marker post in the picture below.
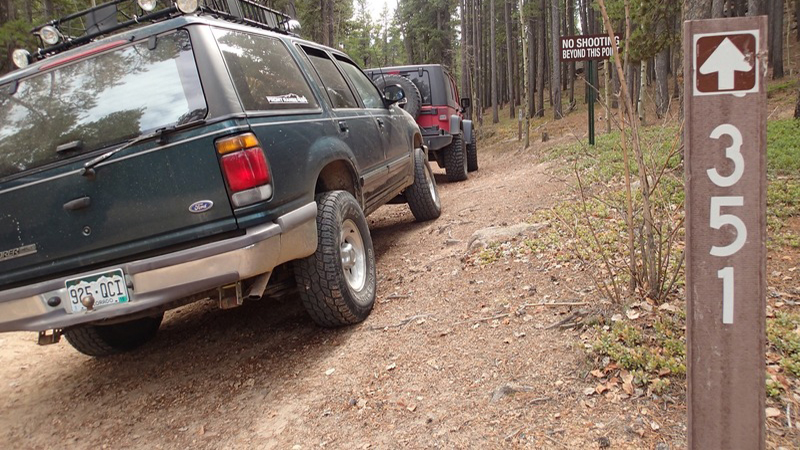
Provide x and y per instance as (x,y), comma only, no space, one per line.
(725,156)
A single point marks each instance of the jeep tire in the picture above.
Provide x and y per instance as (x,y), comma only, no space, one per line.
(106,340)
(337,283)
(455,160)
(472,154)
(423,196)
(413,104)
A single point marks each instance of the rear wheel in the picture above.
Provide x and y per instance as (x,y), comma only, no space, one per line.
(472,155)
(422,196)
(337,283)
(105,340)
(455,160)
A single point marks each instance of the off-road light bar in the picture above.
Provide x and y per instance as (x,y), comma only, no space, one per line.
(147,5)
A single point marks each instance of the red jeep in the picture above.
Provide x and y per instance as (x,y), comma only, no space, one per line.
(432,98)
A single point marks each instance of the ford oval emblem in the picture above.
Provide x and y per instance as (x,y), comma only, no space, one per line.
(201,206)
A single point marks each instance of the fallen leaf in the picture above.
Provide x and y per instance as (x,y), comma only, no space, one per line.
(597,373)
(588,391)
(773,412)
(601,388)
(668,307)
(616,317)
(329,372)
(664,372)
(632,315)
(412,407)
(654,426)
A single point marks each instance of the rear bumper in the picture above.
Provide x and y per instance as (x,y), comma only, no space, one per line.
(438,141)
(156,283)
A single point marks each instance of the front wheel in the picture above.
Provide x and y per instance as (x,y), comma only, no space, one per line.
(455,160)
(106,340)
(423,196)
(337,283)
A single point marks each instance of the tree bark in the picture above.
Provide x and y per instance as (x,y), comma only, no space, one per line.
(571,65)
(797,106)
(493,53)
(525,93)
(541,40)
(532,64)
(465,56)
(776,37)
(507,14)
(698,9)
(756,8)
(555,85)
(662,82)
(717,8)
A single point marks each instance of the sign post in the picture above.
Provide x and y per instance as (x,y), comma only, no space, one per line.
(588,48)
(725,156)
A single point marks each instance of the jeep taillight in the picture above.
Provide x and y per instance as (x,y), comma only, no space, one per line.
(245,168)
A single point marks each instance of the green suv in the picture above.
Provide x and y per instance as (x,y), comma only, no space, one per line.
(192,152)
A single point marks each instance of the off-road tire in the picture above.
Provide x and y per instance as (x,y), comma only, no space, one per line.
(472,155)
(106,340)
(423,196)
(413,104)
(332,294)
(455,160)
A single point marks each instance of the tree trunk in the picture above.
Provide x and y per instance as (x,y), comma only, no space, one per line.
(555,85)
(476,59)
(525,93)
(584,30)
(797,17)
(662,82)
(640,95)
(493,53)
(541,40)
(776,37)
(507,14)
(797,106)
(531,61)
(717,8)
(571,65)
(328,20)
(465,56)
(756,8)
(698,9)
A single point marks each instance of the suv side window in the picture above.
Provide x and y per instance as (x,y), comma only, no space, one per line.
(266,76)
(338,91)
(366,90)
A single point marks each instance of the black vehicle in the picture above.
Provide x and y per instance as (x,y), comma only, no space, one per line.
(432,98)
(206,154)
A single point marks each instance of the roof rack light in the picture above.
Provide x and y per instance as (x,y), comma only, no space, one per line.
(187,6)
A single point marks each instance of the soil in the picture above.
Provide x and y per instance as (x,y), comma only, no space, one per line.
(455,354)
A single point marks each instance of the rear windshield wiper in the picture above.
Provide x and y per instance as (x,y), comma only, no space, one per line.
(88,166)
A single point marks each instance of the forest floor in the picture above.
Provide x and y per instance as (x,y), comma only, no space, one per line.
(458,353)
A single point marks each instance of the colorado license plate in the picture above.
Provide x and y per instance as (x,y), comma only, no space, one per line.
(98,290)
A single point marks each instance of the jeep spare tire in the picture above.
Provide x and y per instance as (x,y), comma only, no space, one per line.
(414,104)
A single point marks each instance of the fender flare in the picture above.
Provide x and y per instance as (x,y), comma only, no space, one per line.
(455,125)
(467,124)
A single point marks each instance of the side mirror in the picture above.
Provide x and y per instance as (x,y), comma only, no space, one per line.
(394,94)
(466,102)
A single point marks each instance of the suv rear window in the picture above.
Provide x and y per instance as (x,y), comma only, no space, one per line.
(100,100)
(265,74)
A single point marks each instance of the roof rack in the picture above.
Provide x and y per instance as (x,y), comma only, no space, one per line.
(87,25)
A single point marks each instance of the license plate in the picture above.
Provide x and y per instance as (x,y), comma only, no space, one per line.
(98,290)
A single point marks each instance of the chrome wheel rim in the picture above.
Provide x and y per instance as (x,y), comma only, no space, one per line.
(353,256)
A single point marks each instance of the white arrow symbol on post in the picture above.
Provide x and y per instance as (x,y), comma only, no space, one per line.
(726,59)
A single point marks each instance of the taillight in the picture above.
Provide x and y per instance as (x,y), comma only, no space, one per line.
(245,168)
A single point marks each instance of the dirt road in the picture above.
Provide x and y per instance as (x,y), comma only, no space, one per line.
(454,356)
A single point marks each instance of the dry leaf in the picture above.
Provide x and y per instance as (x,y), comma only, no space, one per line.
(616,317)
(632,315)
(773,412)
(667,307)
(588,391)
(597,373)
(412,407)
(654,426)
(329,372)
(601,388)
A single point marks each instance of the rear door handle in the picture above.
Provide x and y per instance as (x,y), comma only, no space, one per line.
(78,203)
(380,122)
(343,126)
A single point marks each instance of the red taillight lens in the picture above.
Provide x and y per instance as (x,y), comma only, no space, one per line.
(245,169)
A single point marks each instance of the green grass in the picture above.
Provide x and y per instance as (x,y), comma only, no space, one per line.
(774,88)
(783,148)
